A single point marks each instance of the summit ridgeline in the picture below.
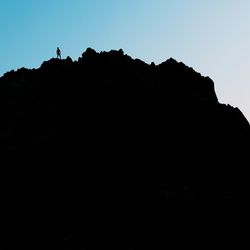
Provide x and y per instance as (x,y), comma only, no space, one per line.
(115,151)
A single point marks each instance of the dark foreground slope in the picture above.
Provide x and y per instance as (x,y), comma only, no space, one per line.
(113,153)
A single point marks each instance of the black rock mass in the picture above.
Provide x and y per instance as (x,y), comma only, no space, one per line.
(108,152)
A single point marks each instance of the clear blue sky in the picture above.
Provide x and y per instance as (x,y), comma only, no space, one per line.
(211,36)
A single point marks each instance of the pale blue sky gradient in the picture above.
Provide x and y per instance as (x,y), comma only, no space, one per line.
(211,36)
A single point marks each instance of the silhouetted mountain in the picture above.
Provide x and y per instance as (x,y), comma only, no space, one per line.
(114,153)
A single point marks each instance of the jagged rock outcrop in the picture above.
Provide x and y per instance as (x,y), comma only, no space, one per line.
(116,150)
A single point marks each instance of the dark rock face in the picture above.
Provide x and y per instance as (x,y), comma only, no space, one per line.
(115,153)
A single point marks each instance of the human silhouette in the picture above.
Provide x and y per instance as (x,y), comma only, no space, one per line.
(58,53)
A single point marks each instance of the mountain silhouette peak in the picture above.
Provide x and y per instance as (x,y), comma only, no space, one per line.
(136,142)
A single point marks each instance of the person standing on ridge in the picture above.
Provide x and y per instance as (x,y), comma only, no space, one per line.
(58,53)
